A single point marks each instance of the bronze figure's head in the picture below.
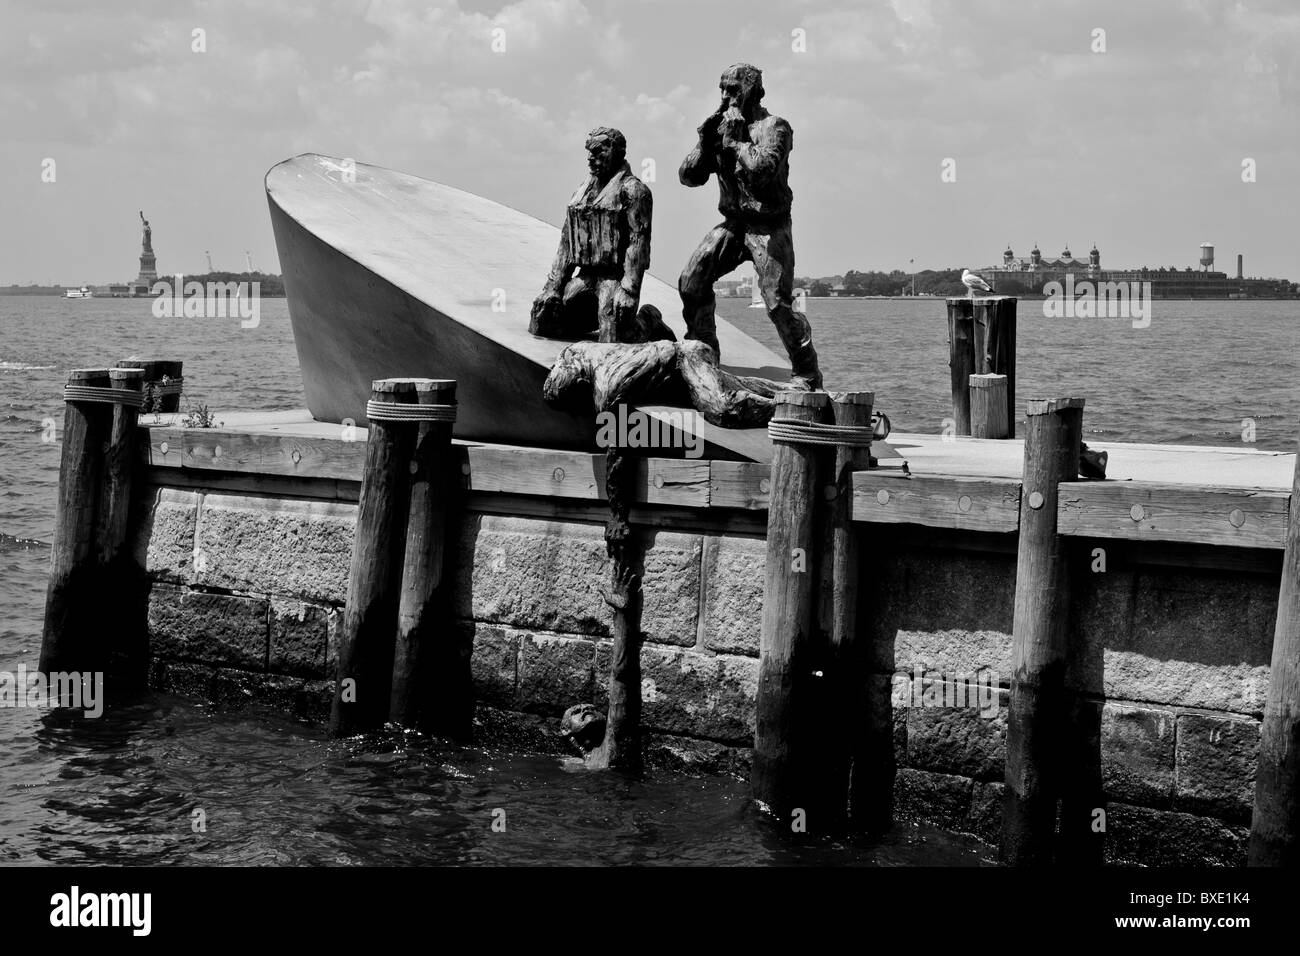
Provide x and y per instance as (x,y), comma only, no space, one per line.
(742,88)
(606,150)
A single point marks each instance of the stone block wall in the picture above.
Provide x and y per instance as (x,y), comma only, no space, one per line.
(1169,667)
(256,585)
(1169,664)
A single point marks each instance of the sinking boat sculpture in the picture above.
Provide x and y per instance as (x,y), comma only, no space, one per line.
(392,275)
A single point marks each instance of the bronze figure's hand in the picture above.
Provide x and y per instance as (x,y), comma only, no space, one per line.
(708,130)
(733,128)
(625,583)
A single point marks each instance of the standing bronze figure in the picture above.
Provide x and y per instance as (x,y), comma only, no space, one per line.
(595,281)
(748,150)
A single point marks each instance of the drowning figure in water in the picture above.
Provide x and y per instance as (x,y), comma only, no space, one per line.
(605,240)
(748,150)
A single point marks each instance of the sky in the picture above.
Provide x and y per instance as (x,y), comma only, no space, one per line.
(1129,125)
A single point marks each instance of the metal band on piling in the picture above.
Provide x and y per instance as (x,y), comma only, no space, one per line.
(792,431)
(174,387)
(395,412)
(112,396)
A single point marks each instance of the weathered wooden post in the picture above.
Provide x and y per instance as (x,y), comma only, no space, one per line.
(779,776)
(961,360)
(120,577)
(981,340)
(995,346)
(843,695)
(72,624)
(365,666)
(988,406)
(1275,823)
(166,395)
(1036,720)
(431,681)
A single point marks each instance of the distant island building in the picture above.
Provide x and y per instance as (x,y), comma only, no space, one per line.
(1028,274)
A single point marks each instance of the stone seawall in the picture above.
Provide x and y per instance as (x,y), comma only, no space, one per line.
(1170,663)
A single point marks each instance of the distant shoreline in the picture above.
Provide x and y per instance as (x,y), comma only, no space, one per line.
(269,285)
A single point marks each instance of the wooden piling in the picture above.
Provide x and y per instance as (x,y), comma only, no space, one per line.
(961,360)
(125,656)
(779,777)
(1036,721)
(363,682)
(988,406)
(995,346)
(431,679)
(842,700)
(72,625)
(155,370)
(981,340)
(1275,822)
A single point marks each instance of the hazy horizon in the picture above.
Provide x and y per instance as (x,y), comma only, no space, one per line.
(1139,149)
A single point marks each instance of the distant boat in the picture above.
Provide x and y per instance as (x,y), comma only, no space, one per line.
(82,293)
(391,275)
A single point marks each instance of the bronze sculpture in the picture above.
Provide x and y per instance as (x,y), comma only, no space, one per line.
(147,240)
(595,281)
(748,150)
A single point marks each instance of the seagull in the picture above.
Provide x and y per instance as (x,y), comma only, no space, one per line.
(972,282)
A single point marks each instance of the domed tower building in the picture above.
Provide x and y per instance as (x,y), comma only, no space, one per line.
(1094,260)
(1008,258)
(1035,257)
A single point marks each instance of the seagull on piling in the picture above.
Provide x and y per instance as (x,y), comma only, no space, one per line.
(972,282)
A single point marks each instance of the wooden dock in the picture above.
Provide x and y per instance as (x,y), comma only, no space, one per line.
(1236,497)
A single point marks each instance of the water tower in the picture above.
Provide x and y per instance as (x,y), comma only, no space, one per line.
(1207,256)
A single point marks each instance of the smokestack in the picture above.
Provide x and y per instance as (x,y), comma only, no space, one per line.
(1239,265)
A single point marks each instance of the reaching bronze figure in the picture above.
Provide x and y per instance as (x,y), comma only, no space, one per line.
(748,150)
(595,282)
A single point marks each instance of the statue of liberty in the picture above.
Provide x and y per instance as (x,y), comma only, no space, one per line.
(148,234)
